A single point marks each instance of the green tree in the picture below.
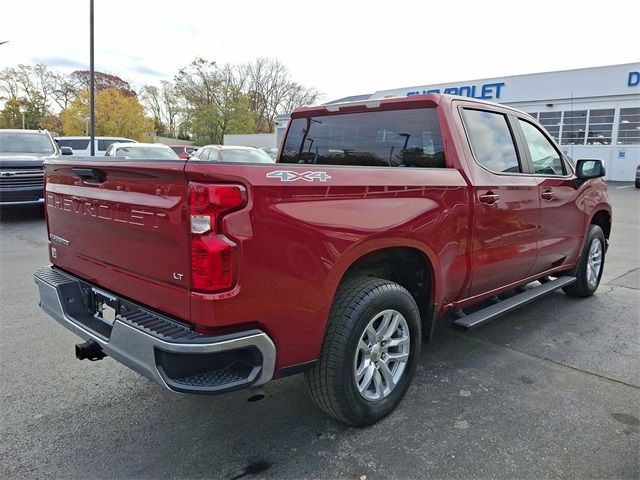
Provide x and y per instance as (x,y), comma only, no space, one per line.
(212,103)
(116,115)
(11,114)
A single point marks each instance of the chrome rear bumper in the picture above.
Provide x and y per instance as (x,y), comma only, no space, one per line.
(161,349)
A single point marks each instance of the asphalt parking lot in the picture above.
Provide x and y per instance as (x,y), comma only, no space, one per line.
(550,391)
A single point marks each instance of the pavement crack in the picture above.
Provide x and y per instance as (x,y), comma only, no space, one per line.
(622,286)
(620,276)
(611,289)
(533,355)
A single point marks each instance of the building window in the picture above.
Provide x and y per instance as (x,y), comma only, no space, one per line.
(629,126)
(551,122)
(600,127)
(574,127)
(534,115)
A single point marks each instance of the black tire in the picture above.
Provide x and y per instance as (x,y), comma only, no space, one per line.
(331,381)
(637,183)
(581,287)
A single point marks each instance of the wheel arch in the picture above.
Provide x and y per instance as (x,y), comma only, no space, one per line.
(602,218)
(408,265)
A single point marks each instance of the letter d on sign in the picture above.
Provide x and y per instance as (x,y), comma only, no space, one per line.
(633,79)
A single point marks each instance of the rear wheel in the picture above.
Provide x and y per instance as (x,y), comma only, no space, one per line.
(588,271)
(369,355)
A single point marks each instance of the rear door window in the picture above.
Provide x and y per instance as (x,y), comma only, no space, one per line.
(396,138)
(491,141)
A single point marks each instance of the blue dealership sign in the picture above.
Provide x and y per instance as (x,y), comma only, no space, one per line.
(486,91)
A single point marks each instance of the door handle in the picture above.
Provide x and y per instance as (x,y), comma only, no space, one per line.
(548,195)
(489,198)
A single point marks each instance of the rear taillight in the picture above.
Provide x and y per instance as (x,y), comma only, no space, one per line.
(213,256)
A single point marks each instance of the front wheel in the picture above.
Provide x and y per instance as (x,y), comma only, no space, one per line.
(588,271)
(370,351)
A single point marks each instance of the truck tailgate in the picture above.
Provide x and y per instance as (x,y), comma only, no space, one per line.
(124,223)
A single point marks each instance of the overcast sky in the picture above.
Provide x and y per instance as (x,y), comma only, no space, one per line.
(340,47)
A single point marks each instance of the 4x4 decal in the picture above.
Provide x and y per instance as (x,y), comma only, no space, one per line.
(289,176)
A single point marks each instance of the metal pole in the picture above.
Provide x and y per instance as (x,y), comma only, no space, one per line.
(22,120)
(92,111)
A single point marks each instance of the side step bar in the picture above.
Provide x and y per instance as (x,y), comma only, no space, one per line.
(480,317)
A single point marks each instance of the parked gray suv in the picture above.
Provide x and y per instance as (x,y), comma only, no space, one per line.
(22,153)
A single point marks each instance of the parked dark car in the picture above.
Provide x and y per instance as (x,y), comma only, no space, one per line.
(22,153)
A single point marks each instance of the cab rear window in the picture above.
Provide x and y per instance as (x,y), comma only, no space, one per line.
(396,138)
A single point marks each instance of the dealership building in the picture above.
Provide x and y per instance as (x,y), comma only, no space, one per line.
(591,112)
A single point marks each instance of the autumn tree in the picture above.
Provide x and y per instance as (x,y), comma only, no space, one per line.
(117,114)
(103,81)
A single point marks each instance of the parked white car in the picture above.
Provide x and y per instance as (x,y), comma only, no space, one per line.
(82,146)
(146,151)
(231,153)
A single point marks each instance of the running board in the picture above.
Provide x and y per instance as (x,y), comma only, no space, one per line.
(480,317)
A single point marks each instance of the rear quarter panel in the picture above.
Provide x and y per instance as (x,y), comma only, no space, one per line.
(297,239)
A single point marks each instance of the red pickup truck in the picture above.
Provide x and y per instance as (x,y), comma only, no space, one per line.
(377,218)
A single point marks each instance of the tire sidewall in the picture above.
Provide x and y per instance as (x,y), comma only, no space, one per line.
(396,298)
(595,233)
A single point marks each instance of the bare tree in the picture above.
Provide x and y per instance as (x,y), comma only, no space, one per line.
(271,92)
(170,105)
(9,84)
(66,88)
(152,100)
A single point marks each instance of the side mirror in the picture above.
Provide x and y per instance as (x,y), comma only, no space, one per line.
(587,169)
(66,150)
